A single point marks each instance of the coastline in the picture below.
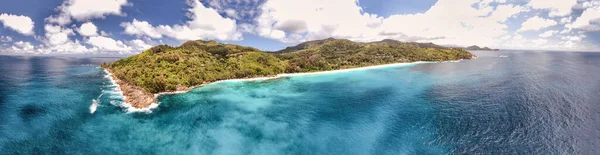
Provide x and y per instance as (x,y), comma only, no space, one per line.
(127,91)
(137,99)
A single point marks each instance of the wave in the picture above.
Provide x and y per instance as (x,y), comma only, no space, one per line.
(94,106)
(118,99)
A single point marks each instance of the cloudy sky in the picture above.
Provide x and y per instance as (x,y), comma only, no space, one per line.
(130,26)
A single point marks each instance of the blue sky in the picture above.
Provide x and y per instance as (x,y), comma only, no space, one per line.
(130,26)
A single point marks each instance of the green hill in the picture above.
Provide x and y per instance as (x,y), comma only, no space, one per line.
(164,68)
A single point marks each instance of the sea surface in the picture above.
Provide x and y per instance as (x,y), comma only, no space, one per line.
(524,102)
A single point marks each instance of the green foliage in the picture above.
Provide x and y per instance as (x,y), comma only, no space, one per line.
(162,68)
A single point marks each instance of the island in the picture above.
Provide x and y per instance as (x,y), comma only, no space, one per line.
(165,69)
(477,48)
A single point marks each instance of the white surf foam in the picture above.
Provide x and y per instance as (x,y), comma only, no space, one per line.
(118,99)
(131,109)
(94,106)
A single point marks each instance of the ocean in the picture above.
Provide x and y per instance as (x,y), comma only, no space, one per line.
(524,102)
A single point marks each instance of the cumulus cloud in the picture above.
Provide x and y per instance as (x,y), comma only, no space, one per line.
(141,28)
(60,19)
(5,39)
(588,21)
(458,22)
(536,23)
(565,20)
(84,10)
(138,44)
(19,23)
(539,42)
(446,22)
(204,23)
(232,13)
(22,47)
(56,35)
(503,12)
(88,29)
(295,21)
(108,44)
(56,40)
(592,3)
(557,8)
(68,47)
(548,33)
(575,38)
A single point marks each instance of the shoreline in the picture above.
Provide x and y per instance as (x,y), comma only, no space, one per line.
(121,86)
(131,93)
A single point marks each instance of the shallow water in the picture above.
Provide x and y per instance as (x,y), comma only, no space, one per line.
(526,103)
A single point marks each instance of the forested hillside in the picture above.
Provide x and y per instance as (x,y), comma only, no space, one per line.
(164,68)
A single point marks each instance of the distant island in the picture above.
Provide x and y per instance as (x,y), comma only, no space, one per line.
(194,63)
(477,48)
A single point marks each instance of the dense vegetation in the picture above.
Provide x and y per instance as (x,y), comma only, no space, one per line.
(163,68)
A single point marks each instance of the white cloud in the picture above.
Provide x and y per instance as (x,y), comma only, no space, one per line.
(21,24)
(68,47)
(88,29)
(56,35)
(557,8)
(57,41)
(287,20)
(458,22)
(536,23)
(548,33)
(518,37)
(204,23)
(6,39)
(588,21)
(564,31)
(108,44)
(138,44)
(60,19)
(232,13)
(503,12)
(141,28)
(84,10)
(446,22)
(573,38)
(565,20)
(102,33)
(588,4)
(22,47)
(539,42)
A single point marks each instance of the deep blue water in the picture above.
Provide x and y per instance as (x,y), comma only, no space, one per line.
(526,103)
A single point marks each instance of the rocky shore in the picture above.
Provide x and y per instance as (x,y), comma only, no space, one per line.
(135,96)
(139,98)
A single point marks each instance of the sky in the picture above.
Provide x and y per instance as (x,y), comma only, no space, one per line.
(130,26)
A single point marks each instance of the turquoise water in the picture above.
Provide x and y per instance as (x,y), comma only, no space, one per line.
(526,103)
